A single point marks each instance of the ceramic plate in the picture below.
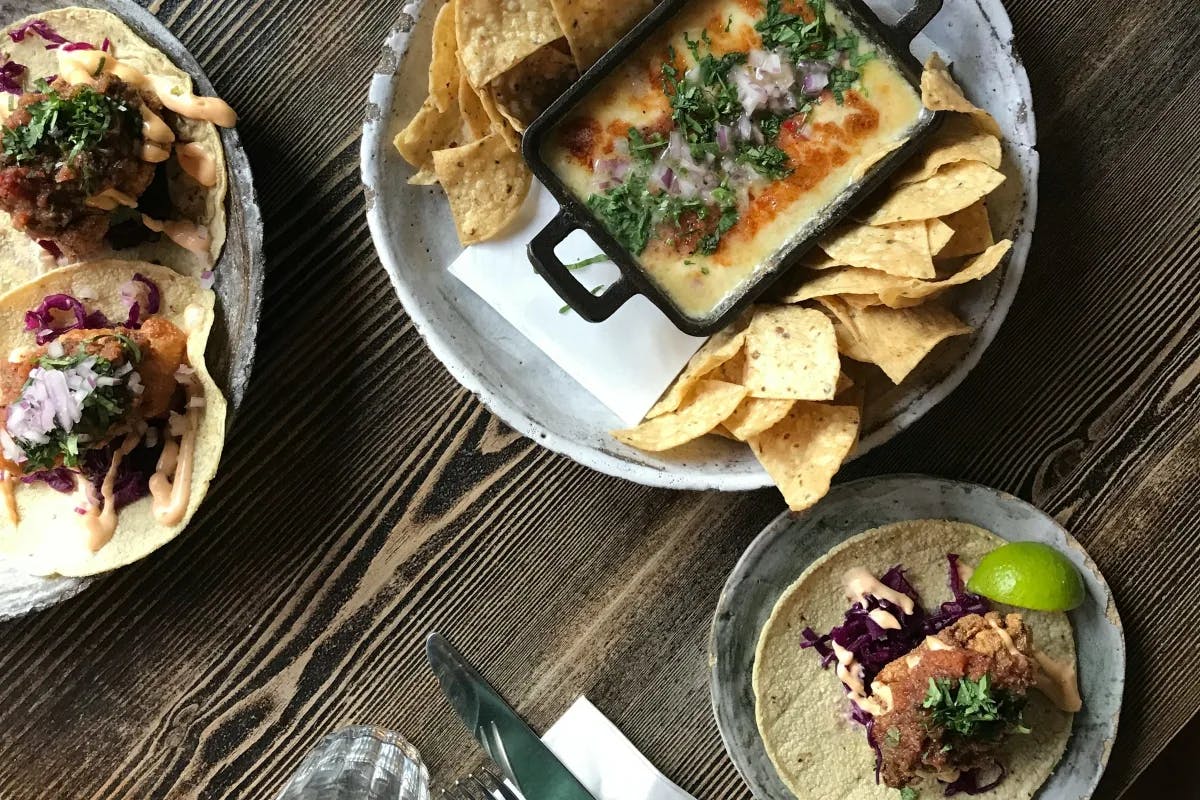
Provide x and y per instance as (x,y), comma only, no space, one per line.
(792,542)
(415,237)
(239,277)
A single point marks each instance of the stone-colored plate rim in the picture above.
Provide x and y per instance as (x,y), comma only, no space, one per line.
(895,498)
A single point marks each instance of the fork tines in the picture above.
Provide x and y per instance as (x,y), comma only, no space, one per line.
(480,786)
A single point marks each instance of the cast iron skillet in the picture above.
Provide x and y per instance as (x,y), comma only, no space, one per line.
(574,214)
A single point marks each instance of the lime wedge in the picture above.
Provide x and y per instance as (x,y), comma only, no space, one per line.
(1029,575)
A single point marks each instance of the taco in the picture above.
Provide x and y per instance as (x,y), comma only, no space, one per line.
(107,153)
(112,427)
(919,686)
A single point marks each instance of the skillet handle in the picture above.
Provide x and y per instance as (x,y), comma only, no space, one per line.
(592,307)
(916,19)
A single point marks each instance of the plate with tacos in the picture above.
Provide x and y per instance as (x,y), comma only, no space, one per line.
(130,278)
(913,637)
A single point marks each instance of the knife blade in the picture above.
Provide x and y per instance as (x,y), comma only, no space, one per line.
(505,737)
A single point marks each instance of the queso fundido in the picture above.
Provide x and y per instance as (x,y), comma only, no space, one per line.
(726,134)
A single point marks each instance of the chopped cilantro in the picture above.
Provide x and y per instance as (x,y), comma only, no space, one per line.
(909,793)
(728,23)
(61,127)
(643,149)
(587,262)
(766,159)
(976,710)
(892,737)
(726,202)
(815,40)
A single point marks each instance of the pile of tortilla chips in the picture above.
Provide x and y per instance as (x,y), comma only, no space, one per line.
(496,65)
(776,379)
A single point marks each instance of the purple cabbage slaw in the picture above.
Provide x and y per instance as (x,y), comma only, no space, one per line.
(11,74)
(132,480)
(874,647)
(41,319)
(43,29)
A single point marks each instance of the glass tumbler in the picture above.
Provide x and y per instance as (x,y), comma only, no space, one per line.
(360,763)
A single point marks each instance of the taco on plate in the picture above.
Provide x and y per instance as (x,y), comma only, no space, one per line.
(106,151)
(110,426)
(878,672)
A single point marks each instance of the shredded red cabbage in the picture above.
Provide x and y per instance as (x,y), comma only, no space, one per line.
(48,245)
(42,320)
(968,782)
(10,77)
(60,479)
(133,475)
(875,647)
(39,27)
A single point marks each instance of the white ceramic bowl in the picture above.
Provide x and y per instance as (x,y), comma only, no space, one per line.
(415,237)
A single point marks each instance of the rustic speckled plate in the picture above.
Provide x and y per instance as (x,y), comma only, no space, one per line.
(793,541)
(239,276)
(414,235)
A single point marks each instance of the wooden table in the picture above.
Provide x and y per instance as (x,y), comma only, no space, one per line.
(366,499)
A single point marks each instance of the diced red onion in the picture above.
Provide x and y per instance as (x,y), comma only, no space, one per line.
(723,140)
(207,279)
(744,127)
(815,82)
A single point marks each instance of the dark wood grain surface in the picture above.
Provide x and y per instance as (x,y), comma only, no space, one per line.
(366,499)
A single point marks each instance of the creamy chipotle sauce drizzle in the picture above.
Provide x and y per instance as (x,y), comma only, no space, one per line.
(81,66)
(110,199)
(1058,681)
(8,498)
(101,523)
(196,162)
(187,235)
(860,583)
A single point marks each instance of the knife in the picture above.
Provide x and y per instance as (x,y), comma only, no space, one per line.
(505,737)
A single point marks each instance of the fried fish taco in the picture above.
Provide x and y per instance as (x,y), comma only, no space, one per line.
(878,671)
(106,151)
(112,427)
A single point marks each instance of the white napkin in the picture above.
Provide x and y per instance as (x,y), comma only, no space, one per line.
(603,760)
(626,362)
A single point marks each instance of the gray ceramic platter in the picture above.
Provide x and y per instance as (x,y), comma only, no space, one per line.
(239,276)
(415,237)
(793,541)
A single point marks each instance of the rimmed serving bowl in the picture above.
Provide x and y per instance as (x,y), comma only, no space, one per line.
(787,546)
(415,238)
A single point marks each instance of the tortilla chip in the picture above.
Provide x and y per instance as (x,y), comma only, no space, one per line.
(710,403)
(848,342)
(845,383)
(593,26)
(849,280)
(721,347)
(791,354)
(972,232)
(819,259)
(429,130)
(957,140)
(953,188)
(806,449)
(528,88)
(495,35)
(755,415)
(939,235)
(425,177)
(939,92)
(443,66)
(897,339)
(485,182)
(897,249)
(474,114)
(978,267)
(500,123)
(871,159)
(732,371)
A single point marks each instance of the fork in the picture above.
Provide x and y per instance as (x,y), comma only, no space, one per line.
(479,786)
